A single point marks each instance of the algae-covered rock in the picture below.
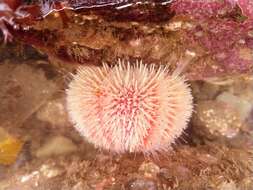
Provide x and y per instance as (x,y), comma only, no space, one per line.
(10,147)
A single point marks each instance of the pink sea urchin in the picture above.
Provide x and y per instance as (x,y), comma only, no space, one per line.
(129,108)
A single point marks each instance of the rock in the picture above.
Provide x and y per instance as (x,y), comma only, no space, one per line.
(149,169)
(181,173)
(33,176)
(81,186)
(24,156)
(50,171)
(54,112)
(141,184)
(207,158)
(204,90)
(23,90)
(228,186)
(241,104)
(56,146)
(216,118)
(250,119)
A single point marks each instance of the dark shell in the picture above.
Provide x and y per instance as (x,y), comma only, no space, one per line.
(26,12)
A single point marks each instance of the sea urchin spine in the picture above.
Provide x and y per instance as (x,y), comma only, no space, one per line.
(129,108)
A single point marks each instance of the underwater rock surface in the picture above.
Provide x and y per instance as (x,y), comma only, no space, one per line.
(213,37)
(214,41)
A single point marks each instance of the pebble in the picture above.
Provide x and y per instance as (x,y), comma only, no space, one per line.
(57,145)
(181,172)
(141,184)
(228,186)
(243,105)
(81,186)
(50,171)
(217,118)
(54,112)
(149,169)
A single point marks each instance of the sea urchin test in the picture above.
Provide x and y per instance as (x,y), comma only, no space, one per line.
(129,107)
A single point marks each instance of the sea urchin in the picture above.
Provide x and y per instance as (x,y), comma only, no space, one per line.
(129,108)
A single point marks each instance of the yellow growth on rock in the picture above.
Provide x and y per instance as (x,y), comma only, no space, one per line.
(9,150)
